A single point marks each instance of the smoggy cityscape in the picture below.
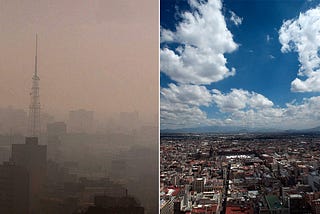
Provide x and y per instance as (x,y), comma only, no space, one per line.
(79,107)
(77,165)
(73,166)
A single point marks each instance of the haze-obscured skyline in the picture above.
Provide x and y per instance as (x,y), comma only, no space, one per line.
(97,55)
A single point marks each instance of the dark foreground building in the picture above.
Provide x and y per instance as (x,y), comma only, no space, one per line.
(115,205)
(33,157)
(14,189)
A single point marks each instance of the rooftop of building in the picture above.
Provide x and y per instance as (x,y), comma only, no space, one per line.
(273,202)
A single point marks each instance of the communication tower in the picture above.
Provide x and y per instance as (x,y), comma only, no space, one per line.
(34,108)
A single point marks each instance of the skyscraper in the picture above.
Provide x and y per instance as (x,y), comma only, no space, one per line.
(14,189)
(33,157)
(81,121)
(54,132)
(34,108)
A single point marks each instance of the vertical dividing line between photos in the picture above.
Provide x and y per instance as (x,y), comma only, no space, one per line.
(158,178)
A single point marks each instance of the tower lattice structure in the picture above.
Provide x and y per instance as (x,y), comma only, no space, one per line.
(34,108)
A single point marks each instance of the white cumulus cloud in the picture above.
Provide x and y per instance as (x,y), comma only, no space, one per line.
(177,115)
(239,99)
(200,41)
(203,39)
(180,106)
(187,94)
(302,35)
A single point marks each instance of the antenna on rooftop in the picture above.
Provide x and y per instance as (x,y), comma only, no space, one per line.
(34,108)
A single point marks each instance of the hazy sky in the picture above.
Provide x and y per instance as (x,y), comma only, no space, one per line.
(98,55)
(246,63)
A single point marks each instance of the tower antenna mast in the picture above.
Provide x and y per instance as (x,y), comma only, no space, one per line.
(36,58)
(34,108)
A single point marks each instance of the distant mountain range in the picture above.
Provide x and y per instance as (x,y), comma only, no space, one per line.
(311,130)
(235,129)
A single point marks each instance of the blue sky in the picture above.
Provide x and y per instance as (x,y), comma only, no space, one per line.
(240,63)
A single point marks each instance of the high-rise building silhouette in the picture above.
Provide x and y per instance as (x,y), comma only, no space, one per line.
(33,157)
(117,205)
(55,131)
(34,108)
(80,121)
(14,189)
